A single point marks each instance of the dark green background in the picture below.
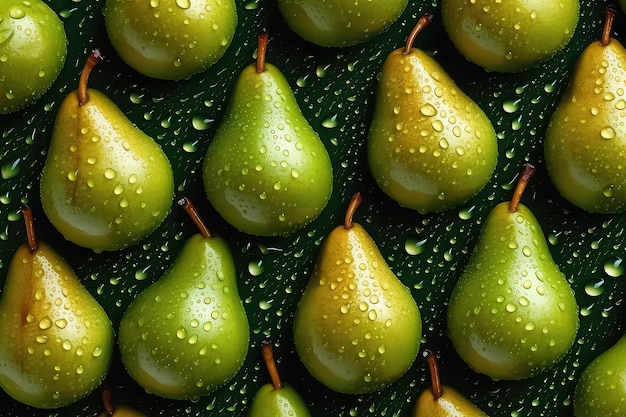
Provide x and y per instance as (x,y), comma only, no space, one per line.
(335,89)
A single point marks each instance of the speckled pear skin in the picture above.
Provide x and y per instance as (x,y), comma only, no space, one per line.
(585,141)
(57,340)
(512,314)
(430,146)
(357,327)
(187,333)
(601,388)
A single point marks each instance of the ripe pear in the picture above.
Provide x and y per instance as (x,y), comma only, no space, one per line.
(586,138)
(512,314)
(512,35)
(121,411)
(440,400)
(266,171)
(187,333)
(105,184)
(601,389)
(276,399)
(430,146)
(56,339)
(340,22)
(170,39)
(357,327)
(33,48)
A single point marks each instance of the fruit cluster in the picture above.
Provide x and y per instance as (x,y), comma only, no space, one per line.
(428,151)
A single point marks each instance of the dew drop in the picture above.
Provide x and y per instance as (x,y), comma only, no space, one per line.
(414,246)
(613,267)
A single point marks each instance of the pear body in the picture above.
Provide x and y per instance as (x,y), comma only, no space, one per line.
(266,171)
(33,47)
(187,333)
(105,184)
(123,411)
(278,402)
(512,314)
(512,35)
(585,140)
(357,328)
(451,404)
(340,22)
(170,39)
(57,340)
(430,146)
(601,389)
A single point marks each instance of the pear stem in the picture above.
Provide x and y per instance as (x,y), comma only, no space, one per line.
(433,368)
(270,364)
(94,59)
(186,204)
(106,401)
(27,213)
(261,51)
(608,25)
(421,24)
(355,201)
(527,174)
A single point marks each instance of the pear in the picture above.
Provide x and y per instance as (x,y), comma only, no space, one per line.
(276,399)
(170,39)
(33,47)
(430,146)
(586,138)
(187,333)
(357,327)
(105,184)
(340,22)
(266,171)
(511,35)
(121,411)
(56,339)
(512,314)
(601,389)
(440,400)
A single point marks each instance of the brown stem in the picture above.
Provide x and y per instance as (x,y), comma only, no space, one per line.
(608,25)
(421,24)
(94,59)
(270,364)
(27,213)
(261,50)
(527,174)
(186,204)
(355,201)
(433,368)
(106,401)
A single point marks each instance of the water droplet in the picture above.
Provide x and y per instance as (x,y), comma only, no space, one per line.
(413,246)
(17,13)
(613,267)
(607,132)
(256,268)
(183,4)
(511,106)
(428,110)
(594,289)
(330,122)
(5,36)
(10,169)
(200,122)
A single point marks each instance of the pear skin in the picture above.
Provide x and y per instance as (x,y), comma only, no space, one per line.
(105,184)
(357,327)
(512,314)
(57,340)
(586,138)
(430,146)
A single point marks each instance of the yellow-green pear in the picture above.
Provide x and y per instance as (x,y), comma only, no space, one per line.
(585,140)
(357,327)
(119,411)
(430,146)
(105,184)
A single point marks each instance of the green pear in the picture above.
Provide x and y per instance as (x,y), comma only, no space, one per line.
(601,389)
(187,333)
(586,138)
(357,327)
(512,35)
(276,399)
(430,146)
(512,314)
(340,22)
(105,184)
(170,39)
(57,340)
(266,171)
(440,400)
(121,411)
(33,48)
